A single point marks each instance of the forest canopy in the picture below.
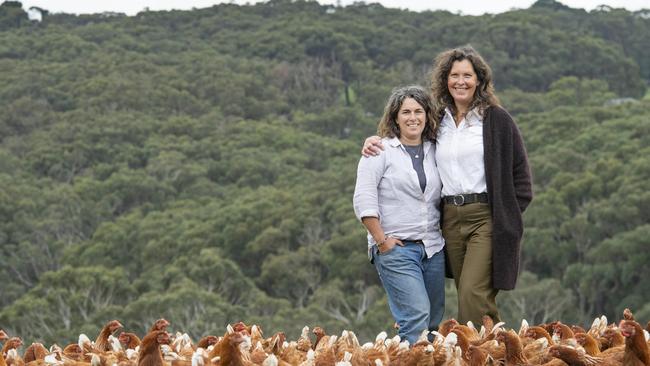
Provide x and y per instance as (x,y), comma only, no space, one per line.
(199,165)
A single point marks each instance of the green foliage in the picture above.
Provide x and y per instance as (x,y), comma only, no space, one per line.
(199,165)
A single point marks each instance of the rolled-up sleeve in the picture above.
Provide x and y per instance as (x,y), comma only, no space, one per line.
(369,173)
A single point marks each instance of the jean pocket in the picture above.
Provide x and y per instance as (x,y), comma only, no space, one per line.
(389,251)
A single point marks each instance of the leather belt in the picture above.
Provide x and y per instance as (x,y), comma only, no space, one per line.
(464,199)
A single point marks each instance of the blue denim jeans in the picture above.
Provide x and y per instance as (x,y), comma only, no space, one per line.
(415,286)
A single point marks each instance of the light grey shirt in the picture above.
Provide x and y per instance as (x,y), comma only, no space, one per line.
(388,188)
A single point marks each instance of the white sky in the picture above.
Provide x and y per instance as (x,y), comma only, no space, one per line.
(467,7)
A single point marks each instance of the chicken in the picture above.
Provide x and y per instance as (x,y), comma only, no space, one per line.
(573,356)
(292,355)
(36,351)
(320,333)
(73,352)
(371,352)
(514,349)
(325,354)
(611,339)
(12,343)
(636,348)
(150,354)
(129,340)
(229,349)
(13,359)
(536,352)
(10,352)
(274,344)
(347,342)
(479,356)
(419,355)
(257,335)
(537,332)
(102,343)
(207,341)
(304,343)
(446,326)
(3,336)
(591,345)
(258,355)
(462,340)
(471,334)
(563,334)
(160,324)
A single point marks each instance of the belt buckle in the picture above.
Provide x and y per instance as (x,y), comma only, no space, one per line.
(456,202)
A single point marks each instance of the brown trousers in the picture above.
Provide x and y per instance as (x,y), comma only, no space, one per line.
(467,231)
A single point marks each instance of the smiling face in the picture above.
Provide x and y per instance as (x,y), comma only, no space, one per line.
(411,119)
(462,82)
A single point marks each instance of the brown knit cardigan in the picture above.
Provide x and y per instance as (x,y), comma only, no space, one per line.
(509,188)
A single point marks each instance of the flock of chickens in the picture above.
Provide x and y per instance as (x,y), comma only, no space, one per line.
(625,343)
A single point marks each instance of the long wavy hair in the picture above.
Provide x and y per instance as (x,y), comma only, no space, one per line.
(484,96)
(388,126)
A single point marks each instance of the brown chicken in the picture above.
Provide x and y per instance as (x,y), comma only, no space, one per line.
(150,354)
(611,340)
(514,349)
(537,332)
(35,351)
(636,348)
(129,340)
(347,342)
(591,345)
(369,355)
(3,336)
(102,344)
(477,356)
(572,356)
(231,354)
(160,324)
(73,352)
(565,334)
(446,326)
(11,343)
(10,352)
(320,333)
(207,341)
(325,353)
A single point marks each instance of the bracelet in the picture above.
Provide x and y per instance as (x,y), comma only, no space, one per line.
(379,244)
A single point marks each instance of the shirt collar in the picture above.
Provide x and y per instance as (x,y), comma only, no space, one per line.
(395,142)
(472,116)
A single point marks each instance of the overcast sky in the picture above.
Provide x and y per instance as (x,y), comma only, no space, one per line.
(473,7)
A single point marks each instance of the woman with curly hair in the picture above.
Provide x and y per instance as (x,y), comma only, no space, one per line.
(486,181)
(406,249)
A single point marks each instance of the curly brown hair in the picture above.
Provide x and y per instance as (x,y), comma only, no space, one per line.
(388,124)
(483,96)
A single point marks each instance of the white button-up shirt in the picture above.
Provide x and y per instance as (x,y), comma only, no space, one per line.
(459,154)
(388,188)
